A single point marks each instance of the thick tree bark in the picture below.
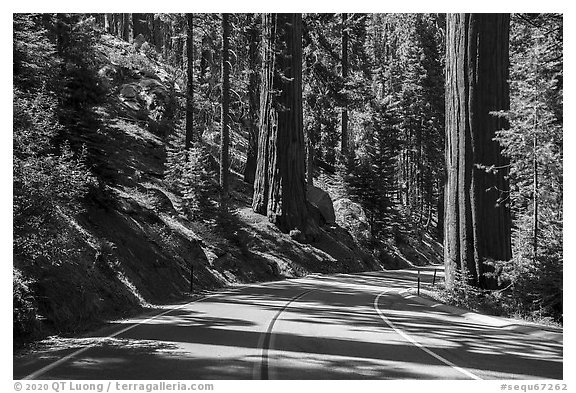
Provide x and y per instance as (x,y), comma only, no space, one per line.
(190,81)
(280,185)
(477,224)
(344,138)
(224,132)
(253,102)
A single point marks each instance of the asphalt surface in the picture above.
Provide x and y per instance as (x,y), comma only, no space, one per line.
(361,326)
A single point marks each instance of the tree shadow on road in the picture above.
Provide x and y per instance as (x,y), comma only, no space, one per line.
(195,343)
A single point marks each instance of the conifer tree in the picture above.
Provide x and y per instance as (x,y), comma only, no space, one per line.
(224,123)
(279,189)
(477,219)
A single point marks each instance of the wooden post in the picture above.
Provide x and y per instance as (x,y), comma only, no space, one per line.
(418,282)
(434,278)
(191,278)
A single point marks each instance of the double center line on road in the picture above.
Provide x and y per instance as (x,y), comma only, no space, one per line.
(416,343)
(266,337)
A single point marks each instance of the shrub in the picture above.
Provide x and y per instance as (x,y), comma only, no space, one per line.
(24,309)
(49,181)
(191,175)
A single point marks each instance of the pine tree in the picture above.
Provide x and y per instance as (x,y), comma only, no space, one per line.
(533,143)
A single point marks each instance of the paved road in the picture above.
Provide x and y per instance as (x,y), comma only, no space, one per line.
(361,326)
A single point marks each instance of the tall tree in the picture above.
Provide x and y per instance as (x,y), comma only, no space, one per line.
(280,185)
(534,145)
(253,100)
(477,220)
(125,27)
(190,81)
(225,132)
(344,141)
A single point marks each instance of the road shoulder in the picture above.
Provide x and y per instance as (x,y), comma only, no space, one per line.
(515,325)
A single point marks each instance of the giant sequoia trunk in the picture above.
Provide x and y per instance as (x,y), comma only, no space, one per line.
(279,188)
(477,220)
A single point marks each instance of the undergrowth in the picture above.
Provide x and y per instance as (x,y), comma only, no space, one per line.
(501,302)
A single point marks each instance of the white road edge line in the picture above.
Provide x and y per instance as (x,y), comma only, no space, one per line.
(58,362)
(417,344)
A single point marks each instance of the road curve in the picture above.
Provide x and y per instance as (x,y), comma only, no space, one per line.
(347,326)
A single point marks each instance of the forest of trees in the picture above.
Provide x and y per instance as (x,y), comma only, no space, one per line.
(451,124)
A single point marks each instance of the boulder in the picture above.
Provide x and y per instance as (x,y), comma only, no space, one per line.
(109,71)
(351,216)
(129,91)
(138,41)
(321,200)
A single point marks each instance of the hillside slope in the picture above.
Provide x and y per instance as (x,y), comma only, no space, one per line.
(134,247)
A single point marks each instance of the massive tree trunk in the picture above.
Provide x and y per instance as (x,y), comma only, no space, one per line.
(190,81)
(344,139)
(280,185)
(253,102)
(224,132)
(477,221)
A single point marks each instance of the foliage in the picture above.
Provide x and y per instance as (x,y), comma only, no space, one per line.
(49,181)
(410,74)
(468,296)
(322,83)
(193,177)
(35,60)
(370,175)
(23,305)
(534,145)
(79,84)
(394,96)
(536,284)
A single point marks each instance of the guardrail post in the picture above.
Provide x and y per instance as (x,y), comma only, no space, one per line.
(434,278)
(191,278)
(418,282)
